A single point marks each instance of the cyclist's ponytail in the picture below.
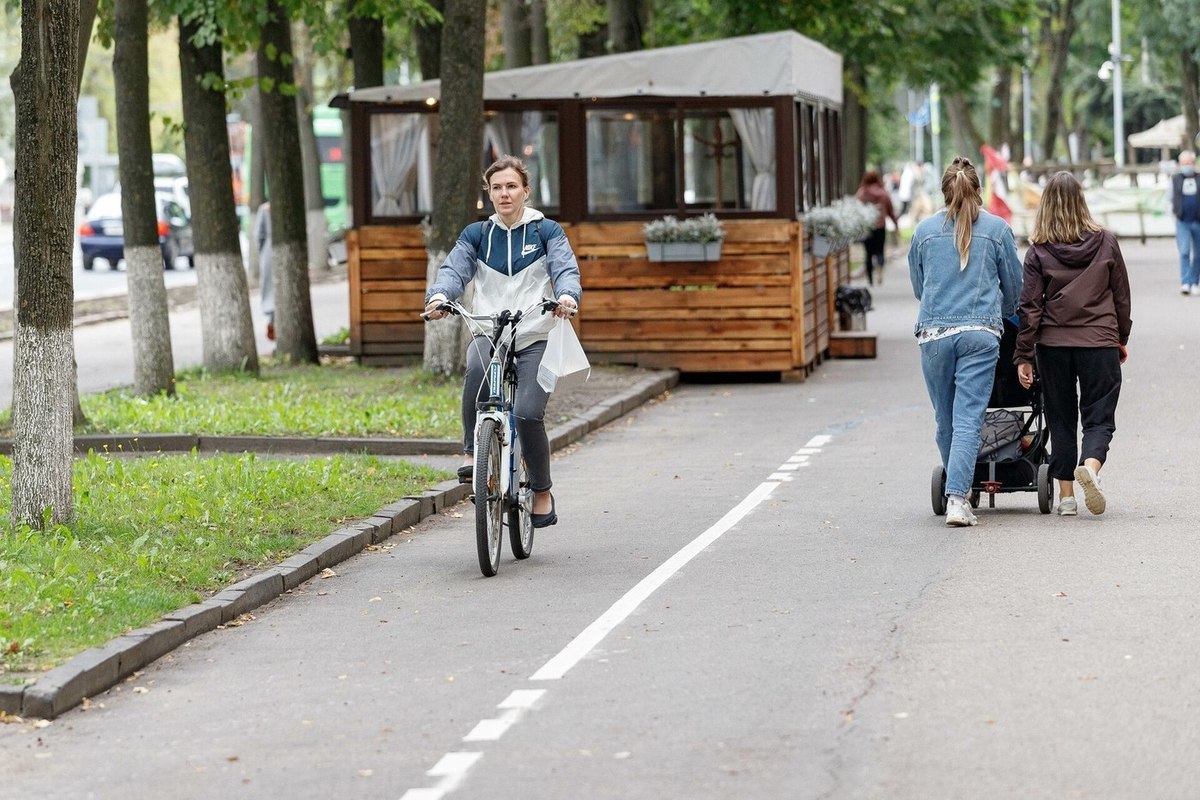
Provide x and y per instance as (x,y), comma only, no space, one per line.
(960,188)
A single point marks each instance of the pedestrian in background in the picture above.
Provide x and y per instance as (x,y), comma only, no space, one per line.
(1074,325)
(1185,202)
(871,191)
(262,236)
(966,274)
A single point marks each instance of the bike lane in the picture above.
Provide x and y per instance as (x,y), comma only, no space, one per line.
(836,640)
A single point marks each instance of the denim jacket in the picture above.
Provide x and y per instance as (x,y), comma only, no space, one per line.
(984,293)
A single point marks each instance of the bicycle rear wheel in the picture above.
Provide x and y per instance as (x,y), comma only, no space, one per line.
(489,502)
(520,526)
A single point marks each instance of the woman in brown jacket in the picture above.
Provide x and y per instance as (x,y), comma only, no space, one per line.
(1075,321)
(871,191)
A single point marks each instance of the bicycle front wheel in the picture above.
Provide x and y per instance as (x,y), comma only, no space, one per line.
(520,526)
(489,502)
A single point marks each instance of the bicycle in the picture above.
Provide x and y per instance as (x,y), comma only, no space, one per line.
(502,494)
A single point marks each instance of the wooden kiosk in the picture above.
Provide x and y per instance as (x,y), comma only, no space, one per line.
(748,129)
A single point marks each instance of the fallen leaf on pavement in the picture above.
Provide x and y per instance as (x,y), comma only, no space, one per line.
(328,573)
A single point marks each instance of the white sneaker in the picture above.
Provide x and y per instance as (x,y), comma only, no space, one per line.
(1185,289)
(1093,497)
(1068,507)
(1196,288)
(958,514)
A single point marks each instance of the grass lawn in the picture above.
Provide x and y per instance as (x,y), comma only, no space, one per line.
(339,398)
(155,533)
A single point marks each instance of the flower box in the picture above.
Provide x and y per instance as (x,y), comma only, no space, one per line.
(684,251)
(822,246)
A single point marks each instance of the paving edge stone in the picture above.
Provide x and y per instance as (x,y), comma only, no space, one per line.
(95,670)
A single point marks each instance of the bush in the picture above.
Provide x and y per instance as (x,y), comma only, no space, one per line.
(843,221)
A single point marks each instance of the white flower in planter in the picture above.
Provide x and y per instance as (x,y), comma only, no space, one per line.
(692,239)
(841,223)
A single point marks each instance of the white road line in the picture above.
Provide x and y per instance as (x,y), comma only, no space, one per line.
(490,730)
(803,459)
(779,477)
(593,634)
(808,451)
(452,768)
(819,441)
(522,698)
(790,467)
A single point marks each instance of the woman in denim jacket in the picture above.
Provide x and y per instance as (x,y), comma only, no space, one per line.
(965,271)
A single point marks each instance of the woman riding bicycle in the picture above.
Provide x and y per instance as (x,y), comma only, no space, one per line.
(515,257)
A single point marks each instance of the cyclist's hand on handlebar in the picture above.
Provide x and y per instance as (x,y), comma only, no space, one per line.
(435,308)
(566,307)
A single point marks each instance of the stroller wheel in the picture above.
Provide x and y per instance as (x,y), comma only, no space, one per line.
(974,498)
(937,490)
(1045,489)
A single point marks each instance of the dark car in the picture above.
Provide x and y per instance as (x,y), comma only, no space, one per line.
(102,234)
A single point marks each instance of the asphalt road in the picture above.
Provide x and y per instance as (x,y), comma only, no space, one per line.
(103,281)
(806,632)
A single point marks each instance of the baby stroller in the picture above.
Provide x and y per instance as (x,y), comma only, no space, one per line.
(1013,446)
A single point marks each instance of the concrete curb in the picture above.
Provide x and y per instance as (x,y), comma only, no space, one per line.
(95,670)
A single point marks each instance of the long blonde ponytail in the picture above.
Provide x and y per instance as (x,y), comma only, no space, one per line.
(960,188)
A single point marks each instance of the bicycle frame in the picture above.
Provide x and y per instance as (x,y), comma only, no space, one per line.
(499,492)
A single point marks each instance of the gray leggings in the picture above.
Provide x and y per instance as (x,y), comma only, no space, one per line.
(529,406)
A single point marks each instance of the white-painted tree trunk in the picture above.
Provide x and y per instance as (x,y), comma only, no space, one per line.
(294,337)
(225,313)
(445,339)
(149,321)
(43,442)
(318,248)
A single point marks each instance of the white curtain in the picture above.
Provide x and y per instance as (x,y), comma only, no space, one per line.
(399,156)
(756,128)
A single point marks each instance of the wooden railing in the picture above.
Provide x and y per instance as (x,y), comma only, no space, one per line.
(767,305)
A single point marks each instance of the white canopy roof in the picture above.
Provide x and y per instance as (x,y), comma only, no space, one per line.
(766,64)
(1165,133)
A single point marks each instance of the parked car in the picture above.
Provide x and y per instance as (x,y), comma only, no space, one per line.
(102,234)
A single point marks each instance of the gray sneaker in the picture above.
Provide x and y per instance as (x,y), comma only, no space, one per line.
(1068,507)
(1093,497)
(959,514)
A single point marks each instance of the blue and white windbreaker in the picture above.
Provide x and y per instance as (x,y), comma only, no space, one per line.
(512,269)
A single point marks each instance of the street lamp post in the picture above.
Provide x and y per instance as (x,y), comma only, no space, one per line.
(1114,51)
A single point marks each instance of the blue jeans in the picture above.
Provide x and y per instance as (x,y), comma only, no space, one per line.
(959,371)
(1187,239)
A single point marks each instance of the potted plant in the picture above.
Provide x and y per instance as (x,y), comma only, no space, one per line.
(691,239)
(836,226)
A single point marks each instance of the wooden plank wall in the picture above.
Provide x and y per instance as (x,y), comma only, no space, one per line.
(765,306)
(387,293)
(738,314)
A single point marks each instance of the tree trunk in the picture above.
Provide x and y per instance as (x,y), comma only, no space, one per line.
(294,336)
(1060,26)
(256,182)
(1000,121)
(87,20)
(967,138)
(225,323)
(149,317)
(626,20)
(45,87)
(539,33)
(854,134)
(594,42)
(366,47)
(517,40)
(456,176)
(367,52)
(1191,99)
(310,159)
(429,44)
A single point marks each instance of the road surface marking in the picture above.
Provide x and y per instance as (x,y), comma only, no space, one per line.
(452,768)
(490,730)
(593,634)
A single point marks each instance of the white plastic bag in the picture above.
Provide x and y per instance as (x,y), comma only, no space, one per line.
(564,364)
